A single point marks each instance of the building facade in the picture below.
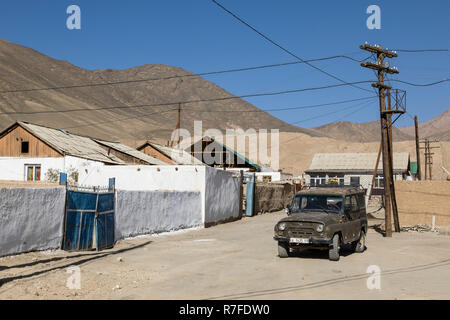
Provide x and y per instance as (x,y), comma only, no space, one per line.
(354,169)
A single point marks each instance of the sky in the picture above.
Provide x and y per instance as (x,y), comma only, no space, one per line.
(200,37)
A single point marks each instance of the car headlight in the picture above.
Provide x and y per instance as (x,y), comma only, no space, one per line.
(282,226)
(319,228)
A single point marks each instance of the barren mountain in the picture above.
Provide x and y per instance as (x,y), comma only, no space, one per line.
(437,128)
(72,108)
(359,132)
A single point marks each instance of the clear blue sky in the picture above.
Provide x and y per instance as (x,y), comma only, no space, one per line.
(198,36)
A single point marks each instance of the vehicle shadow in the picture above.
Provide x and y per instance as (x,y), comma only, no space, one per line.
(320,254)
(88,257)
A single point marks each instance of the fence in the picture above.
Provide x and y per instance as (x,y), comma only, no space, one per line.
(419,201)
(273,197)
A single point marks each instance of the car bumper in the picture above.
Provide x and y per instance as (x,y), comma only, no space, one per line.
(312,241)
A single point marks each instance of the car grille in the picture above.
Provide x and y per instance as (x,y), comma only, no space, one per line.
(299,229)
(296,232)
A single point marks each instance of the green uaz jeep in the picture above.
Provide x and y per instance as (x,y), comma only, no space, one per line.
(324,218)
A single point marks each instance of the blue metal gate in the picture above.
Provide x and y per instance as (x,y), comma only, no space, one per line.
(89,218)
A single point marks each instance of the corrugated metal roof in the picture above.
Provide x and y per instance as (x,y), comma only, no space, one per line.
(131,152)
(71,144)
(347,162)
(179,156)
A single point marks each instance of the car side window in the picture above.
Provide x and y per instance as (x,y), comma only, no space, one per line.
(354,204)
(361,201)
(347,202)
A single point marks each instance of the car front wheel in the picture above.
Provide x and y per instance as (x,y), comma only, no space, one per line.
(333,252)
(283,249)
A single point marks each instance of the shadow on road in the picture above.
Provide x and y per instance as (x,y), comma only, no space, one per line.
(88,257)
(318,284)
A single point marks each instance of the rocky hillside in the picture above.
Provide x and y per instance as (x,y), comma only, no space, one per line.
(24,68)
(436,128)
(359,132)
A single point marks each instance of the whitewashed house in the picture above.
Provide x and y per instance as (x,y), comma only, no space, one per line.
(30,152)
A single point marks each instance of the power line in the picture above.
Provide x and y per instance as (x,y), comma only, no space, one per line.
(365,104)
(281,47)
(190,101)
(320,116)
(99,84)
(421,85)
(422,50)
(175,109)
(288,108)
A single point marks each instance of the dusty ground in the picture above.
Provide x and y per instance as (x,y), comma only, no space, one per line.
(233,261)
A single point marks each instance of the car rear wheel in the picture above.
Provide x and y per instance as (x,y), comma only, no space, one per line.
(360,245)
(283,249)
(333,252)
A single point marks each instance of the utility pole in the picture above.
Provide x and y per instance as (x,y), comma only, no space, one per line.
(381,68)
(428,157)
(416,125)
(375,171)
(178,126)
(391,163)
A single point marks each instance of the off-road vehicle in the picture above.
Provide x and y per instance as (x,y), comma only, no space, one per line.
(324,217)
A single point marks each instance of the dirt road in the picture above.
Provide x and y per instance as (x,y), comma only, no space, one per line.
(233,261)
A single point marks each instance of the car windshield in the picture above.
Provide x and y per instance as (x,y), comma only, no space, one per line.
(317,203)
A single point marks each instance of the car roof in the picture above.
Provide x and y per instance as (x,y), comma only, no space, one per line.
(337,191)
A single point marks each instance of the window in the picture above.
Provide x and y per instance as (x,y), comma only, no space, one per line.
(379,182)
(348,202)
(361,201)
(32,172)
(354,181)
(354,204)
(25,146)
(336,180)
(315,181)
(317,203)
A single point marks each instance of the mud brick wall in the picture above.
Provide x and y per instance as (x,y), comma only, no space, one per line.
(272,197)
(419,201)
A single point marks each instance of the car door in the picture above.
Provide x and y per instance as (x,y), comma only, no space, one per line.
(347,220)
(355,218)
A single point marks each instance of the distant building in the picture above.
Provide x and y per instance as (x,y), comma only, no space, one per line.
(168,155)
(354,168)
(215,154)
(28,152)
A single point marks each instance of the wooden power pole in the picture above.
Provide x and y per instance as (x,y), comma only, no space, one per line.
(375,171)
(416,125)
(178,126)
(391,164)
(428,155)
(382,68)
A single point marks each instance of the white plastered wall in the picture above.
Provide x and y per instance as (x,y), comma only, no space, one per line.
(14,168)
(217,206)
(31,219)
(145,212)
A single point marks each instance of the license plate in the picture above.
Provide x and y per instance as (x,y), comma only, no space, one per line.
(299,240)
